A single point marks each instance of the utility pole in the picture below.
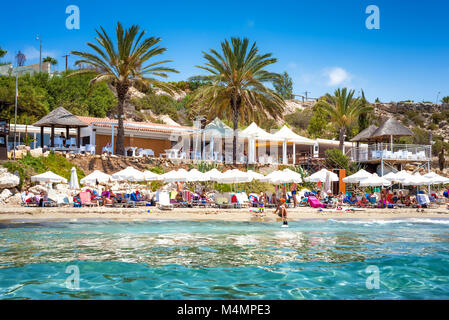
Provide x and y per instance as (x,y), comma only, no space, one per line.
(66,61)
(306,94)
(40,52)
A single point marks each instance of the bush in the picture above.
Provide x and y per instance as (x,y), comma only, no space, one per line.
(300,119)
(336,159)
(29,165)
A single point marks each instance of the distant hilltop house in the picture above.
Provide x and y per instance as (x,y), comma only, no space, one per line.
(7,69)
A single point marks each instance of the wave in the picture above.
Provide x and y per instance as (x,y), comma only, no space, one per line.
(394,221)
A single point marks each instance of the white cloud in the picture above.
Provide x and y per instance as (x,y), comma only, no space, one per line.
(337,76)
(292,65)
(251,23)
(31,53)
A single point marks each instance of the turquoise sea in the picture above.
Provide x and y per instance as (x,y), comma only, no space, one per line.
(312,259)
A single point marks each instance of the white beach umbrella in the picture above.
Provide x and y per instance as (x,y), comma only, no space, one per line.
(151,176)
(234,176)
(180,175)
(95,176)
(279,177)
(255,175)
(213,175)
(320,176)
(436,178)
(403,176)
(48,177)
(296,177)
(415,180)
(195,175)
(374,181)
(73,184)
(357,177)
(129,174)
(391,176)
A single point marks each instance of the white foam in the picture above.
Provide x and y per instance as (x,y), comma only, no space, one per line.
(398,221)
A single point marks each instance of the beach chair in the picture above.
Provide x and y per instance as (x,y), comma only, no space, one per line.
(314,203)
(164,201)
(85,199)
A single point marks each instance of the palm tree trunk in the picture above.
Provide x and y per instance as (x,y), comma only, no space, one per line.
(342,137)
(120,142)
(236,102)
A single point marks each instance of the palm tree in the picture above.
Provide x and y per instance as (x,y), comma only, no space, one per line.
(50,60)
(123,65)
(343,109)
(235,87)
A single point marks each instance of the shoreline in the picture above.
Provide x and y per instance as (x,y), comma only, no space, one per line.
(8,214)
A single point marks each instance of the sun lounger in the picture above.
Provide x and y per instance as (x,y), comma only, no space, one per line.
(314,203)
(164,201)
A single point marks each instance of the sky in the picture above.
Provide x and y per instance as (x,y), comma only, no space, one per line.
(323,45)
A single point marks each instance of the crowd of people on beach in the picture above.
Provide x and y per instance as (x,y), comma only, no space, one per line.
(279,200)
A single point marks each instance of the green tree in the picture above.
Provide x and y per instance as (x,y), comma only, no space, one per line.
(284,86)
(317,124)
(445,100)
(124,64)
(50,60)
(235,86)
(2,52)
(343,110)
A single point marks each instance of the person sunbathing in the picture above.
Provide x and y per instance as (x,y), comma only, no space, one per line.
(362,202)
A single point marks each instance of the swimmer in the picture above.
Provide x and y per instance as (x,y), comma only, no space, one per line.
(281,211)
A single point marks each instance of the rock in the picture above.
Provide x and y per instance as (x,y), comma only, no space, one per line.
(8,180)
(5,195)
(36,152)
(46,153)
(14,200)
(37,189)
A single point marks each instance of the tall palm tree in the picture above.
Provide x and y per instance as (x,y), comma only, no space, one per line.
(343,109)
(123,65)
(235,87)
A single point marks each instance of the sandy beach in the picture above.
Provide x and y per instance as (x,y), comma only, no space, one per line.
(198,214)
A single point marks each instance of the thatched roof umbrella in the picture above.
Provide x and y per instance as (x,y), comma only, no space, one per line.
(389,129)
(60,118)
(365,135)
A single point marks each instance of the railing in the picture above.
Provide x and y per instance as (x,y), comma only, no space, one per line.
(386,151)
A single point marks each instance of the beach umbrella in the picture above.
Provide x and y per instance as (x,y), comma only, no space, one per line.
(296,177)
(180,175)
(403,176)
(151,176)
(436,178)
(194,175)
(255,175)
(357,177)
(48,177)
(234,176)
(95,176)
(320,176)
(327,184)
(129,174)
(375,181)
(73,184)
(391,176)
(415,180)
(213,175)
(280,177)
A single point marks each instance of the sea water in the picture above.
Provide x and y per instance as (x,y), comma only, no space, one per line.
(314,259)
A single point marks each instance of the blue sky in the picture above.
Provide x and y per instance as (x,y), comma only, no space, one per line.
(323,44)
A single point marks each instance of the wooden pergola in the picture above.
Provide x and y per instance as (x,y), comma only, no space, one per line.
(60,118)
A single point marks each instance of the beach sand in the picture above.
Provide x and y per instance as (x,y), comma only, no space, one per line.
(201,214)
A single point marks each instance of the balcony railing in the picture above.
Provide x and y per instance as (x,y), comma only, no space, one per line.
(386,151)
